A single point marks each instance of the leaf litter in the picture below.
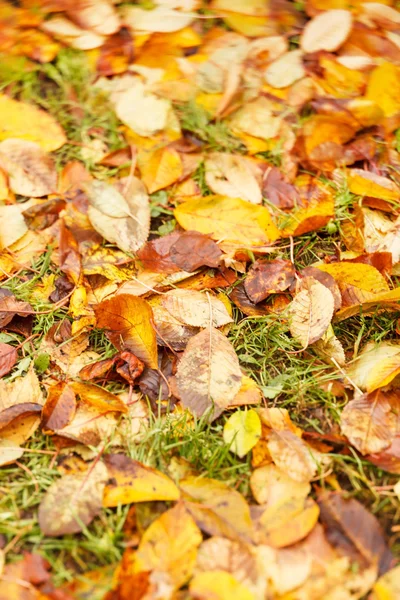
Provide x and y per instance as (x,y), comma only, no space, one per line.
(199,300)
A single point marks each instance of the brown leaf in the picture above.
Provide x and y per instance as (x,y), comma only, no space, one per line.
(208,375)
(23,409)
(59,408)
(155,255)
(31,171)
(97,370)
(389,459)
(8,358)
(193,250)
(240,298)
(115,56)
(278,191)
(70,259)
(266,278)
(371,421)
(196,309)
(353,530)
(10,306)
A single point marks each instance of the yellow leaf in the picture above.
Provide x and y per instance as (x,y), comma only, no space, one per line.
(169,546)
(12,225)
(128,321)
(234,176)
(376,366)
(311,311)
(228,219)
(217,508)
(98,397)
(218,585)
(242,431)
(357,282)
(388,586)
(133,482)
(365,183)
(293,455)
(160,168)
(385,301)
(316,207)
(196,308)
(285,70)
(384,88)
(25,121)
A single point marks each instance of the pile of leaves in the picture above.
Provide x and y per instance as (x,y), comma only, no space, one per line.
(195,197)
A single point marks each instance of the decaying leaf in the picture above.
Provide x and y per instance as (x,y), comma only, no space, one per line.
(73,501)
(59,408)
(266,278)
(311,312)
(130,481)
(8,358)
(293,455)
(128,321)
(208,375)
(31,171)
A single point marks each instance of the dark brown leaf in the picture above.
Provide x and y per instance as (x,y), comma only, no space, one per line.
(43,215)
(97,370)
(242,301)
(265,278)
(194,250)
(63,287)
(116,53)
(155,255)
(59,408)
(8,358)
(354,531)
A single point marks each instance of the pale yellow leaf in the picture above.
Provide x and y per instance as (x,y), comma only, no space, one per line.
(311,311)
(67,32)
(98,16)
(285,70)
(12,225)
(218,585)
(196,308)
(293,455)
(31,170)
(234,176)
(376,366)
(161,19)
(327,31)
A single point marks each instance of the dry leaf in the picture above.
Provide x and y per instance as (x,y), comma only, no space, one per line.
(218,585)
(357,282)
(59,408)
(122,218)
(8,358)
(311,312)
(160,169)
(285,70)
(128,321)
(234,176)
(192,250)
(160,19)
(371,421)
(293,455)
(132,481)
(31,171)
(98,16)
(73,501)
(196,309)
(376,366)
(67,32)
(12,225)
(327,31)
(242,431)
(266,278)
(9,453)
(208,375)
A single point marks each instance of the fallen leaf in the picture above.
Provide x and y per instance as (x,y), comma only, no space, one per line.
(9,453)
(169,546)
(285,70)
(327,31)
(128,321)
(234,176)
(131,481)
(354,530)
(170,331)
(376,366)
(31,170)
(228,219)
(293,455)
(98,16)
(8,358)
(160,169)
(73,501)
(242,431)
(217,508)
(98,397)
(266,278)
(159,19)
(195,308)
(371,421)
(388,586)
(193,250)
(12,226)
(59,408)
(26,122)
(208,375)
(218,585)
(242,301)
(311,311)
(122,218)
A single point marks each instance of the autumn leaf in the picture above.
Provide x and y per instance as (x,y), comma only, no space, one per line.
(234,176)
(128,321)
(132,481)
(327,31)
(31,171)
(196,309)
(376,366)
(219,585)
(8,358)
(208,375)
(311,312)
(228,219)
(73,501)
(371,421)
(160,169)
(193,250)
(26,122)
(59,408)
(242,431)
(266,278)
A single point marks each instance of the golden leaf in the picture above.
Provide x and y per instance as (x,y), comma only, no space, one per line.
(128,320)
(357,282)
(228,219)
(376,366)
(218,585)
(133,482)
(242,431)
(160,168)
